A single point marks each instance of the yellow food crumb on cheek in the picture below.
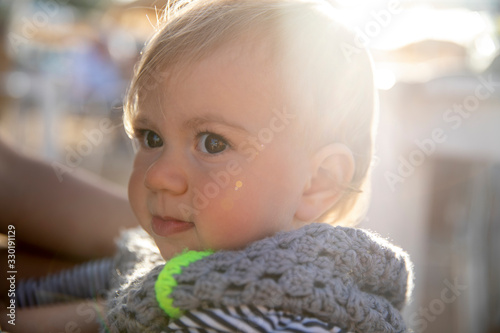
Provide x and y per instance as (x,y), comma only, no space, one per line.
(228,202)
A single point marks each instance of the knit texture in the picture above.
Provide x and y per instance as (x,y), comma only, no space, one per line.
(166,281)
(132,305)
(344,276)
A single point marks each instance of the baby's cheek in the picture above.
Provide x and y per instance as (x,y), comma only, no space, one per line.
(241,222)
(230,198)
(224,224)
(136,194)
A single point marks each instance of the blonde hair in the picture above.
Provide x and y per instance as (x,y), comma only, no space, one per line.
(325,73)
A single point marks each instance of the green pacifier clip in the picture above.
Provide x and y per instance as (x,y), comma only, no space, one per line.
(166,282)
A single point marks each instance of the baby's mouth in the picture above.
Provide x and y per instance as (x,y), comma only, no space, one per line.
(168,226)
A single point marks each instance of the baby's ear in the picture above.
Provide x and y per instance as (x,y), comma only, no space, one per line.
(331,171)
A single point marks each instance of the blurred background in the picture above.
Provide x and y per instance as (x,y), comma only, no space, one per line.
(65,66)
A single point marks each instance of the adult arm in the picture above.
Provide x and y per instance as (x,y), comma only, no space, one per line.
(80,317)
(78,217)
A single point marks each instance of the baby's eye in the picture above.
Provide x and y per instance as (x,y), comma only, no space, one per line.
(211,143)
(151,139)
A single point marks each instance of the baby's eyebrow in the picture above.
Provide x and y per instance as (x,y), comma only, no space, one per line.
(141,122)
(211,118)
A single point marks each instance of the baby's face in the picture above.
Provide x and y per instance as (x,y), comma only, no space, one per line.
(220,163)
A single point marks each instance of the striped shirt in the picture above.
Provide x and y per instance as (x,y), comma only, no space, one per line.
(248,319)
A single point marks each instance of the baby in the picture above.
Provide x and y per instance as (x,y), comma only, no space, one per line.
(253,120)
(250,120)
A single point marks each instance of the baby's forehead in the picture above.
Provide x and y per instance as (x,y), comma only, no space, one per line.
(245,50)
(248,58)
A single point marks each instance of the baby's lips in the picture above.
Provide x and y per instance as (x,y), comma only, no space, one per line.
(166,226)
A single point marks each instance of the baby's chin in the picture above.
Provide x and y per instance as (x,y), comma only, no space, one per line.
(168,252)
(169,248)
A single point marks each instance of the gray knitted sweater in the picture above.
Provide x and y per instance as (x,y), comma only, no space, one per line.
(345,276)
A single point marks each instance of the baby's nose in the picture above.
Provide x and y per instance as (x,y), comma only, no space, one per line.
(166,174)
